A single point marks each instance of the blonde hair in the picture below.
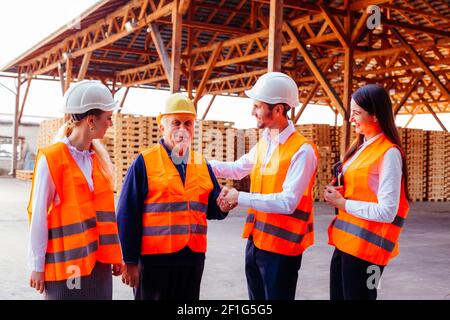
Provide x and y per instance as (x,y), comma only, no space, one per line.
(104,161)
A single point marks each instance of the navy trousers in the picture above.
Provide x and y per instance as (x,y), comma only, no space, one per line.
(352,278)
(270,276)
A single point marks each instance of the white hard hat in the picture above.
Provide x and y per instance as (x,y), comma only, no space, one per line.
(273,88)
(88,95)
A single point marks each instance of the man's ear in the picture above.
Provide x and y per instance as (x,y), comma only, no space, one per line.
(280,108)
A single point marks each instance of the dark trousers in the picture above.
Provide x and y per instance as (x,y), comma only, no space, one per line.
(270,276)
(159,282)
(352,278)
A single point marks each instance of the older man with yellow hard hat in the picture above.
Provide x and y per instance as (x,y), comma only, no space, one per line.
(168,194)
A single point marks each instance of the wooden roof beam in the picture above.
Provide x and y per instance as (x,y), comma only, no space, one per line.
(161,49)
(84,66)
(336,26)
(211,63)
(310,95)
(420,61)
(53,57)
(177,25)
(275,35)
(364,4)
(405,97)
(298,42)
(409,26)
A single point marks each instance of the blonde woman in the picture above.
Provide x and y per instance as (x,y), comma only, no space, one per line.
(73,245)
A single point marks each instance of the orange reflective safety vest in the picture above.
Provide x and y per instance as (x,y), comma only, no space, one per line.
(174,214)
(373,241)
(82,227)
(288,234)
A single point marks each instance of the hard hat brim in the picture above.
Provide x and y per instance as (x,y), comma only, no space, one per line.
(161,115)
(259,97)
(104,107)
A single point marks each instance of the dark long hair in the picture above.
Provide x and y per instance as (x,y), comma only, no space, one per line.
(375,100)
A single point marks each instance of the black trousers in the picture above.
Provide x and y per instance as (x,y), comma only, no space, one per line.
(352,278)
(270,276)
(160,282)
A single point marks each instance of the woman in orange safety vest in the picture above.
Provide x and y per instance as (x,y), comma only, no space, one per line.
(372,204)
(74,247)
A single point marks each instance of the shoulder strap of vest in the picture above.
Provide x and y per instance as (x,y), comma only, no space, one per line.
(53,154)
(146,151)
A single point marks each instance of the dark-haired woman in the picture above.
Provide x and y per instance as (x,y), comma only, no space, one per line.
(74,247)
(373,207)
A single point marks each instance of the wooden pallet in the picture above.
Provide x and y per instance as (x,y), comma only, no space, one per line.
(323,176)
(320,134)
(47,131)
(25,175)
(436,166)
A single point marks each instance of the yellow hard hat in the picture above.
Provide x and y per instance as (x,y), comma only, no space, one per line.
(177,103)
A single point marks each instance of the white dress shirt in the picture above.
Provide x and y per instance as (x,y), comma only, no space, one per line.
(302,167)
(385,181)
(44,195)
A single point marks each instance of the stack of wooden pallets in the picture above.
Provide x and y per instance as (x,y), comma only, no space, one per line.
(130,136)
(435,164)
(427,152)
(246,139)
(415,157)
(48,130)
(317,133)
(324,175)
(447,167)
(25,175)
(153,131)
(335,141)
(353,136)
(216,141)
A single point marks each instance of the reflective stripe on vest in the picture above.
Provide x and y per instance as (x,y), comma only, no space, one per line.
(375,242)
(278,232)
(174,214)
(175,206)
(82,228)
(288,234)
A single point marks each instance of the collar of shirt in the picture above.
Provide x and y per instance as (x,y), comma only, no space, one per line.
(184,159)
(72,148)
(371,140)
(282,137)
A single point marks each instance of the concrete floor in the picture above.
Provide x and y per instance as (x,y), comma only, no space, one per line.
(421,271)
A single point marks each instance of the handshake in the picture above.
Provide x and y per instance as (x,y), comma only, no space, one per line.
(227,199)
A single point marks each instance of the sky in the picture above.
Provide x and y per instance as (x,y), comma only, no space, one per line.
(45,97)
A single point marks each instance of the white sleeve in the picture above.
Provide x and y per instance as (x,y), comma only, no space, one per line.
(234,170)
(388,192)
(44,192)
(301,170)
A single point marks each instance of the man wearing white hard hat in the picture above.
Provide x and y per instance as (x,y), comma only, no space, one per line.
(168,194)
(282,167)
(74,245)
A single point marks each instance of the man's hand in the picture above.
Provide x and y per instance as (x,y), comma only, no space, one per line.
(130,275)
(223,201)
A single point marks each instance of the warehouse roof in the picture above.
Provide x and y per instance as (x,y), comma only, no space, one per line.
(225,45)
